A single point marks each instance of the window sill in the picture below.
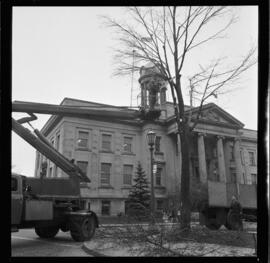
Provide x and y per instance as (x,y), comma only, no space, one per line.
(128,153)
(105,151)
(83,149)
(105,187)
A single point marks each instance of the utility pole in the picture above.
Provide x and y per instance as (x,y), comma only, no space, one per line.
(132,76)
(191,99)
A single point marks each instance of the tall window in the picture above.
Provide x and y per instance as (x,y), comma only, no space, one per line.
(128,144)
(127,174)
(231,153)
(83,166)
(233,175)
(242,157)
(57,141)
(106,142)
(157,144)
(105,173)
(158,176)
(251,158)
(83,139)
(105,208)
(254,178)
(51,172)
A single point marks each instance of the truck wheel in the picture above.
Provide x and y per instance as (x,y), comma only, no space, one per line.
(47,232)
(82,228)
(234,221)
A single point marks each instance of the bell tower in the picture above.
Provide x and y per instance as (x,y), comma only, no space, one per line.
(153,90)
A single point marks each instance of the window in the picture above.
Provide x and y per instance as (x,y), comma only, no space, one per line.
(56,171)
(157,144)
(127,174)
(57,141)
(126,207)
(242,157)
(83,166)
(106,142)
(254,178)
(128,144)
(82,141)
(14,184)
(251,158)
(51,172)
(105,173)
(233,175)
(105,208)
(158,176)
(231,153)
(159,204)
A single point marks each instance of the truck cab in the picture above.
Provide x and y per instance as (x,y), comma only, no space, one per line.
(16,200)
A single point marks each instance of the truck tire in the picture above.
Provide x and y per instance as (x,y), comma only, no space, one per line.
(82,228)
(47,232)
(234,221)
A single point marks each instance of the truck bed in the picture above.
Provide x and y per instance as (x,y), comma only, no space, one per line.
(54,187)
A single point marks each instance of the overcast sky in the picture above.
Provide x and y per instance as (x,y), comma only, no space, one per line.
(60,52)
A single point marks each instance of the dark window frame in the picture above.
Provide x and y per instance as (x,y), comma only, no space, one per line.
(104,142)
(82,139)
(251,155)
(128,145)
(105,177)
(83,162)
(105,208)
(14,186)
(127,176)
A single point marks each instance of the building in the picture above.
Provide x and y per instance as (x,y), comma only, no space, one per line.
(108,151)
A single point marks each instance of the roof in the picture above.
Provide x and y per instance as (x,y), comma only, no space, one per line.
(226,118)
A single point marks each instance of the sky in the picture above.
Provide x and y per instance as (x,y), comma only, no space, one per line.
(60,52)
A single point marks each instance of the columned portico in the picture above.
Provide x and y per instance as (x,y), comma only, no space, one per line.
(238,163)
(202,160)
(221,159)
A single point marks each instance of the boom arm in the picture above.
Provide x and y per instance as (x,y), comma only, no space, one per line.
(47,150)
(77,111)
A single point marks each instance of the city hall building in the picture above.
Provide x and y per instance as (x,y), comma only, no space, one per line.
(108,151)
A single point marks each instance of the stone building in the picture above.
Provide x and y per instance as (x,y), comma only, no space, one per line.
(108,150)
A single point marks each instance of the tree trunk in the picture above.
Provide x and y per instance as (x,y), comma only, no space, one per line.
(185,178)
(184,131)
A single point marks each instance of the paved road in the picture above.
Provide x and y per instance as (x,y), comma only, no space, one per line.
(27,243)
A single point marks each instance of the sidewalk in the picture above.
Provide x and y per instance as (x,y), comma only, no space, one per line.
(108,247)
(99,248)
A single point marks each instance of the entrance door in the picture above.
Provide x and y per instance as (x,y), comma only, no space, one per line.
(16,200)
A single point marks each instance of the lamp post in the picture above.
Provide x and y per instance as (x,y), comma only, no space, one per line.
(151,136)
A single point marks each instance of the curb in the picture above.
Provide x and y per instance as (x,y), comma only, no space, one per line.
(91,252)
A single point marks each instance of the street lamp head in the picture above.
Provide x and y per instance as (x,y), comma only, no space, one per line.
(151,135)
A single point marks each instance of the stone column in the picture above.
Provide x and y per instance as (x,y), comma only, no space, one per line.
(201,156)
(221,160)
(238,163)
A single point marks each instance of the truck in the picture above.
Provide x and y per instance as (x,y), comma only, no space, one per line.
(52,204)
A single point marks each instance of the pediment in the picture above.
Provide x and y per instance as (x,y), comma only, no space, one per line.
(211,113)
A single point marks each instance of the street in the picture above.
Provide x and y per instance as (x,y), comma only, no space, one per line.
(26,243)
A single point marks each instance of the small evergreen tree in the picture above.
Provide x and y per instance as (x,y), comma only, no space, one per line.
(139,195)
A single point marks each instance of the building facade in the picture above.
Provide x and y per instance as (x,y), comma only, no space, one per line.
(109,150)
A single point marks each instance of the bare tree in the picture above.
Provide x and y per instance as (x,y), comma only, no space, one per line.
(165,36)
